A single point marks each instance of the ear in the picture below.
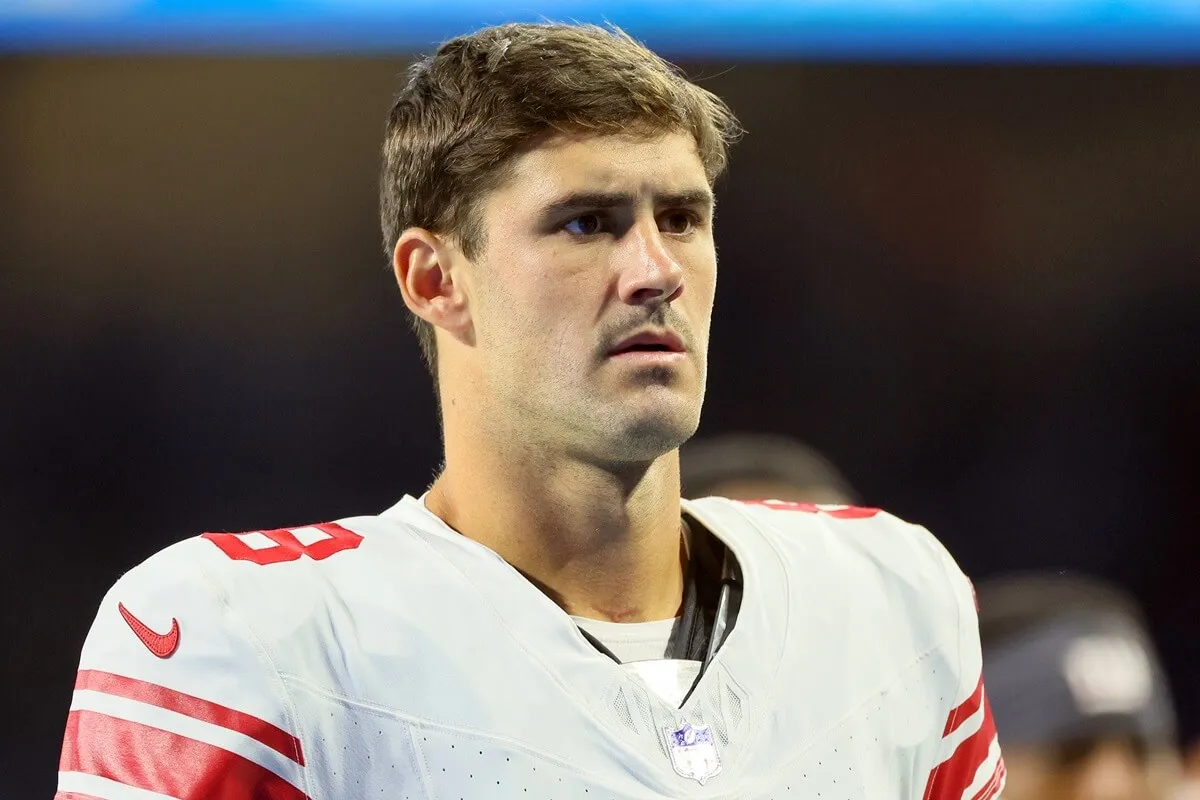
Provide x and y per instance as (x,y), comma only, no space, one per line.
(429,272)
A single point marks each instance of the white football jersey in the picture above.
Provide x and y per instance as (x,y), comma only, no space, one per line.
(390,657)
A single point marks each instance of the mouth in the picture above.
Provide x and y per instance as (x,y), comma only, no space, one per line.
(649,344)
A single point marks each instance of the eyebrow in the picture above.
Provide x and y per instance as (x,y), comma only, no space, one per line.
(599,200)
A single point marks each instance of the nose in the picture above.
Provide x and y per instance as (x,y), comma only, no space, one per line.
(650,273)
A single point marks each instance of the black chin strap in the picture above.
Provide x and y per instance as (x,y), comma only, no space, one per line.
(689,637)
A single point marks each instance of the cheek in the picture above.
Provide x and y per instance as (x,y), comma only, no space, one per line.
(699,296)
(537,308)
(707,290)
(700,270)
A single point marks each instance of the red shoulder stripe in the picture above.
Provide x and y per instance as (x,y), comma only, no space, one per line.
(955,775)
(993,786)
(964,710)
(149,758)
(260,730)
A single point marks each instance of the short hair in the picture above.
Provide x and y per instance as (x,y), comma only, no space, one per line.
(705,464)
(467,110)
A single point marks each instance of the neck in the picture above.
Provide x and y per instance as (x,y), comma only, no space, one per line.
(603,543)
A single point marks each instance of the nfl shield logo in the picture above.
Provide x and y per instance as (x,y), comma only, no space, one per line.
(693,752)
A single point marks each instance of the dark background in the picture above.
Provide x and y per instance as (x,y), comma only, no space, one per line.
(975,288)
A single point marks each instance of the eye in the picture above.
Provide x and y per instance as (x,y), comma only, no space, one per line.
(679,223)
(584,225)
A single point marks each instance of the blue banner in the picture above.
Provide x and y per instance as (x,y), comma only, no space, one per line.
(1155,31)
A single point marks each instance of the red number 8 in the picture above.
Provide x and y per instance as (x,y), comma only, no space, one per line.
(286,546)
(838,512)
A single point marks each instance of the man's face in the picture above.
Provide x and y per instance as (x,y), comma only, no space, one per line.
(589,241)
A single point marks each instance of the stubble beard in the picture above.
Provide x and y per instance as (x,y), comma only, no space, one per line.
(617,433)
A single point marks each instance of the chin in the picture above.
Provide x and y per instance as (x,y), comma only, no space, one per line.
(647,442)
(646,437)
(643,424)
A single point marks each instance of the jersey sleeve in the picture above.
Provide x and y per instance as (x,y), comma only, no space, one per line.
(967,762)
(176,698)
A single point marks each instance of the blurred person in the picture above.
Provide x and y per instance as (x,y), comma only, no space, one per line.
(1077,691)
(549,619)
(756,466)
(1189,786)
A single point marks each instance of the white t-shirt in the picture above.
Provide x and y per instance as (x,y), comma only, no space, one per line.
(641,648)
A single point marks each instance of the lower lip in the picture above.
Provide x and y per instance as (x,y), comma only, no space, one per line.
(649,357)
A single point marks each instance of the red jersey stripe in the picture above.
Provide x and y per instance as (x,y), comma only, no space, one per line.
(992,788)
(74,796)
(954,775)
(149,758)
(260,730)
(964,710)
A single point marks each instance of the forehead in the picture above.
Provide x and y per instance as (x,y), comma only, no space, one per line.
(562,163)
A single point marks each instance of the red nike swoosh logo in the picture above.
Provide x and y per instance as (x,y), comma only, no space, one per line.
(161,644)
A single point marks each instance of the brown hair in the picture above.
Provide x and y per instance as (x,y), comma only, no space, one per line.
(465,111)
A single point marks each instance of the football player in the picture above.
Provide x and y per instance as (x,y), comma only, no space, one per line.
(1078,690)
(549,619)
